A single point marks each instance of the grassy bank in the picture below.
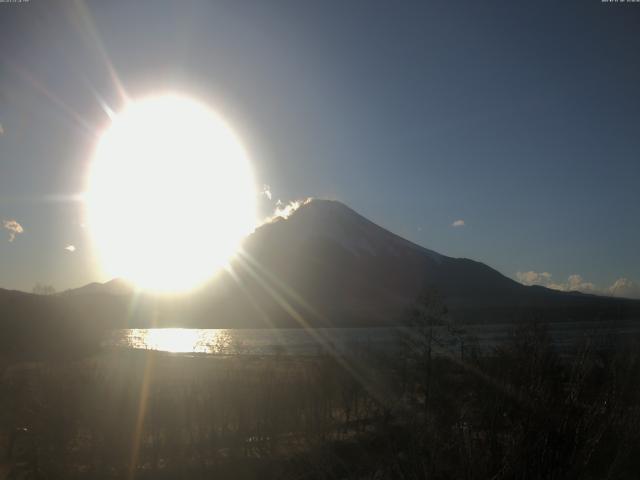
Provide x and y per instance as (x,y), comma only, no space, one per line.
(522,412)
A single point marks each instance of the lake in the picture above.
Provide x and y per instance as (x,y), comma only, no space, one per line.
(294,341)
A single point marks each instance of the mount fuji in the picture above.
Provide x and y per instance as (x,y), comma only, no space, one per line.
(327,266)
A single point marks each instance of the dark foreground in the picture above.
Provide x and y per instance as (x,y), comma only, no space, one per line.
(523,412)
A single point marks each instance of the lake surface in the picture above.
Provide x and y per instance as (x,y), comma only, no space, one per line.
(350,340)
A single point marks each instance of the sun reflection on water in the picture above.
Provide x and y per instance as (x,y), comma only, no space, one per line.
(179,340)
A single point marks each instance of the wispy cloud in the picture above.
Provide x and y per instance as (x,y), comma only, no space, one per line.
(70,248)
(266,191)
(458,223)
(13,227)
(622,287)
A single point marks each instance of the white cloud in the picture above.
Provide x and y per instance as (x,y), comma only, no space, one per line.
(70,248)
(284,210)
(14,228)
(576,282)
(266,191)
(533,278)
(622,287)
(458,223)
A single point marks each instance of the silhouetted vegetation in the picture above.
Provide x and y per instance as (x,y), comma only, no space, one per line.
(43,289)
(523,411)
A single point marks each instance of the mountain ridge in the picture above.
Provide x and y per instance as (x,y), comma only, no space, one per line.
(326,265)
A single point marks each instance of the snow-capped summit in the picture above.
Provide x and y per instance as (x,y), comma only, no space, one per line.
(338,223)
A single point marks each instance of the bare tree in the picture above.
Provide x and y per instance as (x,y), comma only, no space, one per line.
(423,332)
(42,289)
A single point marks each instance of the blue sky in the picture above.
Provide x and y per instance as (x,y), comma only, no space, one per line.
(521,119)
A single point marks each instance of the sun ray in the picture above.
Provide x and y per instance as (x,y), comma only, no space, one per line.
(142,411)
(286,288)
(87,29)
(39,87)
(315,333)
(243,288)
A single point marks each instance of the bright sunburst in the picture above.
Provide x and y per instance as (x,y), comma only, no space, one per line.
(170,194)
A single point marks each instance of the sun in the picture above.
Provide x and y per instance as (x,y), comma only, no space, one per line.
(170,194)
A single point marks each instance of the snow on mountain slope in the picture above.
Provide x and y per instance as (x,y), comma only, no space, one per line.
(353,232)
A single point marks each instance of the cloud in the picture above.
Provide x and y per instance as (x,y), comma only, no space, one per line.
(458,223)
(576,282)
(14,228)
(1,129)
(70,248)
(622,287)
(545,279)
(284,210)
(266,191)
(533,278)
